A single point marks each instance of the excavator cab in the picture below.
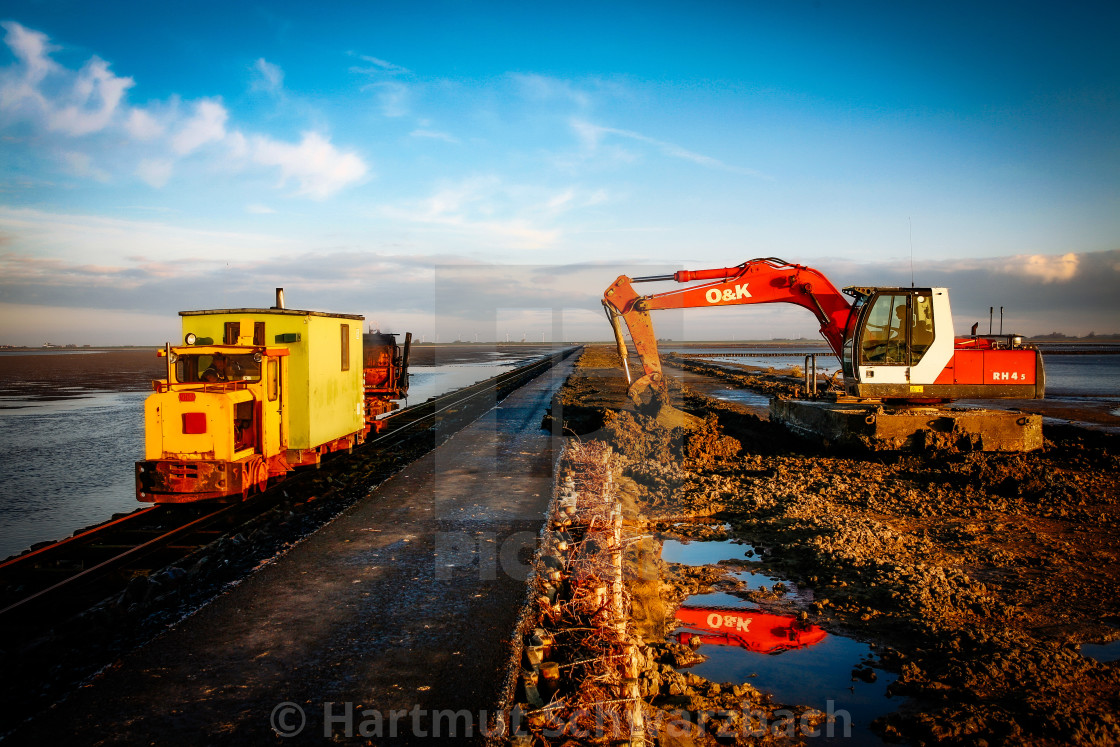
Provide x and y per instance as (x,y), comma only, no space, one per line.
(895,328)
(892,344)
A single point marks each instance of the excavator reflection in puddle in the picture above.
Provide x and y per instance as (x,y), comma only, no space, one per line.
(753,630)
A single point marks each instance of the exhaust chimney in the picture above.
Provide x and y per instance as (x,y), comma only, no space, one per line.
(279,298)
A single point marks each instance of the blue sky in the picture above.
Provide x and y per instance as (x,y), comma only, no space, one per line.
(461,169)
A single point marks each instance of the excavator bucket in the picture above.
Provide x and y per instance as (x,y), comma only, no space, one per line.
(668,416)
(648,393)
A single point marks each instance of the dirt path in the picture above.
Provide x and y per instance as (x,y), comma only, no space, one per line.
(977,575)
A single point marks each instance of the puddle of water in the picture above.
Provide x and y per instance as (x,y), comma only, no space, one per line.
(15,406)
(1101,652)
(756,580)
(703,552)
(797,666)
(701,521)
(719,599)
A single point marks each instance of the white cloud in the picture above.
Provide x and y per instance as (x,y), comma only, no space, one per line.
(434,135)
(207,125)
(379,66)
(74,238)
(496,214)
(155,172)
(92,102)
(268,77)
(143,126)
(81,164)
(32,49)
(319,167)
(1045,268)
(591,135)
(19,84)
(238,145)
(257,208)
(543,88)
(392,97)
(82,102)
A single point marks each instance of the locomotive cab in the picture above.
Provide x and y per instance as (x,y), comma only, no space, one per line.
(211,436)
(280,389)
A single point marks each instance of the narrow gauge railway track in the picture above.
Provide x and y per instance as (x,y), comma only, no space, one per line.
(50,584)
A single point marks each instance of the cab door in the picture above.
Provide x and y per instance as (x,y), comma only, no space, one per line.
(883,350)
(274,426)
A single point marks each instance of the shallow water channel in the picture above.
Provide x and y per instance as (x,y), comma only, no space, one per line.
(797,663)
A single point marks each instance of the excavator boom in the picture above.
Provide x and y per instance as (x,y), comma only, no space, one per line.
(766,280)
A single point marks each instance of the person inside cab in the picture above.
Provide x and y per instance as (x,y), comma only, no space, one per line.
(218,371)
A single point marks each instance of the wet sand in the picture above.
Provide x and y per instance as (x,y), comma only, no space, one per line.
(43,375)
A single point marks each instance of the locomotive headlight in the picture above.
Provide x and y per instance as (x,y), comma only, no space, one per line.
(1016,341)
(191,338)
(173,357)
(257,357)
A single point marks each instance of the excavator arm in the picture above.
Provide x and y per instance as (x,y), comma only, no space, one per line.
(767,280)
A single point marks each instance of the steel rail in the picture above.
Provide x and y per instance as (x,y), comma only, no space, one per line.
(112,563)
(78,538)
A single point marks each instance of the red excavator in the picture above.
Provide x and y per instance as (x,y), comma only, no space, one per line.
(894,344)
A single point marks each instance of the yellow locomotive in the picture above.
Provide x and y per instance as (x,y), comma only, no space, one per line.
(255,393)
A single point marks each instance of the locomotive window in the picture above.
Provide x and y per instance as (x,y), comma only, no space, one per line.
(242,367)
(186,368)
(273,379)
(345,347)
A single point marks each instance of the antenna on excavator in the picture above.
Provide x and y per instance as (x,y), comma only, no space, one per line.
(911,224)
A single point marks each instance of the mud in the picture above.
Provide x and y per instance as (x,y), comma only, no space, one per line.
(975,575)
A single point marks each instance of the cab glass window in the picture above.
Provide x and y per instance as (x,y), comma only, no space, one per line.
(204,368)
(848,351)
(921,328)
(884,332)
